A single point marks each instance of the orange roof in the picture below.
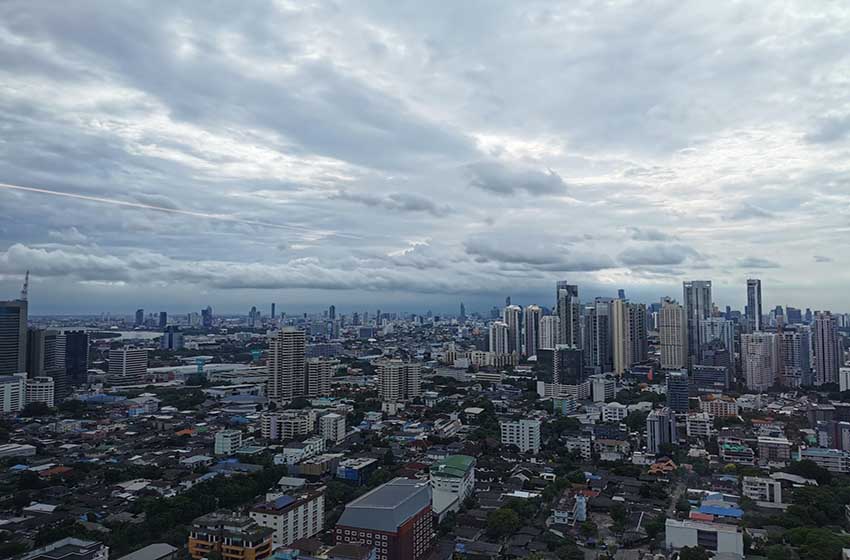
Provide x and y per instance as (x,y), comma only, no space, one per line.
(697,516)
(185,432)
(54,471)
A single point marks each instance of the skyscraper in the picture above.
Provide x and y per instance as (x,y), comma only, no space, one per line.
(568,310)
(673,335)
(499,337)
(796,356)
(660,429)
(77,356)
(716,333)
(597,335)
(754,310)
(533,314)
(629,337)
(549,328)
(697,303)
(568,365)
(13,337)
(207,317)
(512,316)
(760,360)
(163,319)
(826,348)
(127,366)
(140,317)
(273,311)
(332,312)
(398,381)
(286,364)
(462,315)
(319,373)
(46,358)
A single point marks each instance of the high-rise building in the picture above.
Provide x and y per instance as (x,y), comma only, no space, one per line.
(499,337)
(163,319)
(549,328)
(796,356)
(41,389)
(660,429)
(793,316)
(172,339)
(77,356)
(225,535)
(754,310)
(697,303)
(512,316)
(273,312)
(760,360)
(319,374)
(299,515)
(568,310)
(568,365)
(395,519)
(140,317)
(677,391)
(523,433)
(332,312)
(398,381)
(13,337)
(597,335)
(127,366)
(12,392)
(332,427)
(286,364)
(629,339)
(207,317)
(716,333)
(46,358)
(462,315)
(673,335)
(827,352)
(533,314)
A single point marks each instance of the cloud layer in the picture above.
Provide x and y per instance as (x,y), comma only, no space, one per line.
(412,155)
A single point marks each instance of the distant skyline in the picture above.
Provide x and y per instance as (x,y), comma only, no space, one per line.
(414,155)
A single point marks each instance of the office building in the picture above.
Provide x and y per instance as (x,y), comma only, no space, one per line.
(76,357)
(172,339)
(512,316)
(40,389)
(227,442)
(827,352)
(163,319)
(127,366)
(46,358)
(760,360)
(697,302)
(597,336)
(286,365)
(716,538)
(13,337)
(524,434)
(332,427)
(140,317)
(533,315)
(716,336)
(452,482)
(754,310)
(844,379)
(660,430)
(299,515)
(677,391)
(673,335)
(568,310)
(549,328)
(499,337)
(12,392)
(229,536)
(207,317)
(394,518)
(629,337)
(710,379)
(567,366)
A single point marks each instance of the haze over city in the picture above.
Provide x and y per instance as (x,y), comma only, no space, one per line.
(308,153)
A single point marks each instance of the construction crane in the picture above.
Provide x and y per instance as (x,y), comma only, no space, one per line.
(26,287)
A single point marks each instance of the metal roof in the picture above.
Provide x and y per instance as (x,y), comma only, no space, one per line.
(388,506)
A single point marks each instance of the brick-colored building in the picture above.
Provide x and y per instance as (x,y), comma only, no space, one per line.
(394,518)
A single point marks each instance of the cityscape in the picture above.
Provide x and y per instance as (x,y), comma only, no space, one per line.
(564,429)
(405,280)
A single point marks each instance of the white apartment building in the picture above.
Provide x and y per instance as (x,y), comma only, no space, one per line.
(719,406)
(603,388)
(717,538)
(12,392)
(700,424)
(227,442)
(40,389)
(287,425)
(452,481)
(766,492)
(127,366)
(579,444)
(525,434)
(614,412)
(332,427)
(297,516)
(297,451)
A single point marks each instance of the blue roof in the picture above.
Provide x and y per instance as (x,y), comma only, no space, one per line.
(722,511)
(283,501)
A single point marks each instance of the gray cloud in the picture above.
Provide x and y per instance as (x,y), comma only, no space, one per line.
(649,234)
(405,202)
(501,179)
(822,259)
(757,262)
(659,254)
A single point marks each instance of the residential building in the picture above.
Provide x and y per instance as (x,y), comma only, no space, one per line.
(398,381)
(844,379)
(716,538)
(227,442)
(172,339)
(567,365)
(571,508)
(549,329)
(673,335)
(533,315)
(697,302)
(286,364)
(629,337)
(716,342)
(46,358)
(127,366)
(568,310)
(231,536)
(512,316)
(827,352)
(69,548)
(766,492)
(499,337)
(77,356)
(733,450)
(603,388)
(760,360)
(320,371)
(719,406)
(597,336)
(833,460)
(332,427)
(40,389)
(700,424)
(452,481)
(774,450)
(524,434)
(13,337)
(613,412)
(287,424)
(754,310)
(12,393)
(394,518)
(294,516)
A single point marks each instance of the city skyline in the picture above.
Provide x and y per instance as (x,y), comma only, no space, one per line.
(197,157)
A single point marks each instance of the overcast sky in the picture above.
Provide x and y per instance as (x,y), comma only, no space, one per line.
(415,155)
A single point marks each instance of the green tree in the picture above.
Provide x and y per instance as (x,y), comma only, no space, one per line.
(588,529)
(694,553)
(503,522)
(34,409)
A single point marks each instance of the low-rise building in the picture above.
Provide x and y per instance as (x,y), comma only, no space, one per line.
(227,442)
(524,434)
(766,492)
(357,469)
(581,445)
(332,427)
(774,450)
(833,460)
(452,482)
(716,538)
(735,451)
(297,451)
(234,537)
(700,424)
(719,406)
(571,508)
(614,412)
(69,548)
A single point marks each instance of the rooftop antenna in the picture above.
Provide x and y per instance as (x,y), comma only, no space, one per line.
(25,289)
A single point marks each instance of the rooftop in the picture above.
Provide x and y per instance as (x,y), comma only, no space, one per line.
(388,506)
